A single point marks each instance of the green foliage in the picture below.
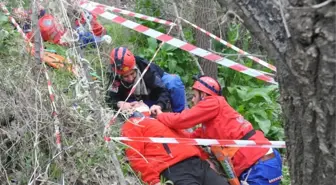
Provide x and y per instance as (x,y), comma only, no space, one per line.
(171,59)
(259,106)
(55,48)
(120,35)
(285,173)
(9,38)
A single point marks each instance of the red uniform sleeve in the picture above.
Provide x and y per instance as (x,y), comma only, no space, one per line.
(196,133)
(204,111)
(137,162)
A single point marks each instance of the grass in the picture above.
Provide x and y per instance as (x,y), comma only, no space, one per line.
(285,174)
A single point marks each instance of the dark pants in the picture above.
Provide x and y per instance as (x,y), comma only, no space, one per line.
(193,171)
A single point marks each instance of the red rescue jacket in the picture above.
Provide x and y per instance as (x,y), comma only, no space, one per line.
(50,29)
(159,156)
(219,121)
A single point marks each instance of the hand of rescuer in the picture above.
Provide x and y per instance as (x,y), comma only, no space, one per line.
(155,109)
(126,105)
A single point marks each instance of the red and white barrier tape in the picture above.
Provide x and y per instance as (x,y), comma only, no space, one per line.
(204,142)
(12,20)
(133,14)
(153,19)
(51,95)
(240,51)
(100,10)
(54,113)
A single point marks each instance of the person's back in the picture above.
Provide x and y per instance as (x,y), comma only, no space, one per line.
(229,124)
(50,30)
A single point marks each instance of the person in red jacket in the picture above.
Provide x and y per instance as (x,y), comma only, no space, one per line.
(181,164)
(50,29)
(256,166)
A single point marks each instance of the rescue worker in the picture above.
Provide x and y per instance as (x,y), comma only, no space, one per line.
(50,29)
(158,89)
(256,166)
(86,37)
(181,164)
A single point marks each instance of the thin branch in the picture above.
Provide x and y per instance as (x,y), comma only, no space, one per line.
(5,172)
(322,4)
(238,55)
(184,39)
(284,19)
(317,6)
(37,38)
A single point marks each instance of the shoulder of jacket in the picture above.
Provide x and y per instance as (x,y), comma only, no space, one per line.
(140,60)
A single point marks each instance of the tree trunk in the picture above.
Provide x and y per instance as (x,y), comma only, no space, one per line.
(306,74)
(205,13)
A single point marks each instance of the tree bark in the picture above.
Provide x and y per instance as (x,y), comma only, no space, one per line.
(306,74)
(205,12)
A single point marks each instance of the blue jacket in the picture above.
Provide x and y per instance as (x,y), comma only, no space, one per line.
(159,94)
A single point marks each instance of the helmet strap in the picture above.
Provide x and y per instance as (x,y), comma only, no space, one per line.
(198,78)
(200,95)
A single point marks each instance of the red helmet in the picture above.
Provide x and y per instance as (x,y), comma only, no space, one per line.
(208,85)
(122,59)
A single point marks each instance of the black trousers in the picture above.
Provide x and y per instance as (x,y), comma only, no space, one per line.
(193,171)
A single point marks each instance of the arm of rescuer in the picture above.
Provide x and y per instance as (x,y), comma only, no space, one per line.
(163,95)
(154,82)
(203,111)
(137,162)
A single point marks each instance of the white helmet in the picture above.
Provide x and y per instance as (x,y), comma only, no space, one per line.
(107,39)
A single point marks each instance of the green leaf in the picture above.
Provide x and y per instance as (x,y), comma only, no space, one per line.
(152,43)
(3,34)
(232,101)
(3,18)
(221,82)
(257,93)
(231,89)
(260,112)
(168,47)
(264,124)
(241,94)
(172,64)
(178,69)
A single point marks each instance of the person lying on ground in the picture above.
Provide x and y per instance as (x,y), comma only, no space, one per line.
(181,164)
